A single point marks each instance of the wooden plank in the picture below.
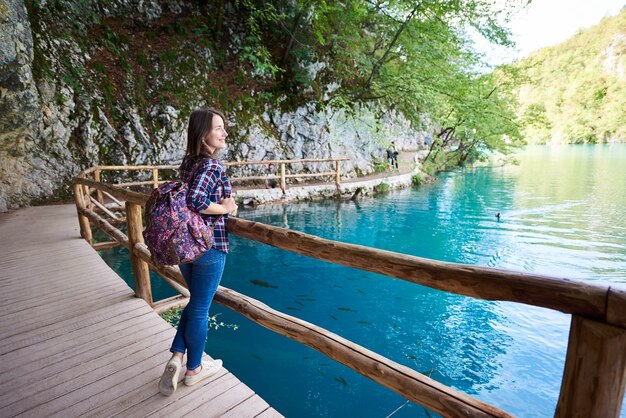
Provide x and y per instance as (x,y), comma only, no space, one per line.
(80,307)
(60,328)
(66,276)
(191,399)
(251,407)
(27,265)
(34,358)
(41,297)
(45,312)
(86,368)
(27,269)
(77,337)
(34,337)
(145,397)
(85,407)
(14,256)
(67,279)
(55,277)
(31,297)
(90,386)
(223,402)
(148,401)
(60,364)
(269,413)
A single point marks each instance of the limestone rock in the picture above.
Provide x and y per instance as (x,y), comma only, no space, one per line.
(69,116)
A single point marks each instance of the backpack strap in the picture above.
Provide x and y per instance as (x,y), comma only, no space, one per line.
(191,175)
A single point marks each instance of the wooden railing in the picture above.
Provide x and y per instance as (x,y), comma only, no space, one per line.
(282,175)
(595,367)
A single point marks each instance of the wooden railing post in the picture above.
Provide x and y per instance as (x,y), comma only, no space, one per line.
(96,177)
(83,221)
(283,181)
(155,178)
(87,196)
(141,270)
(595,370)
(338,174)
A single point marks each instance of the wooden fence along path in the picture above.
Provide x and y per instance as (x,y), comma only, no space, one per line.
(595,367)
(74,339)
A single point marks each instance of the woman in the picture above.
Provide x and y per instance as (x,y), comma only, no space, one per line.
(209,194)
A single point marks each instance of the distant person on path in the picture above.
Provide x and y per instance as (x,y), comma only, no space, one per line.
(210,195)
(270,183)
(392,156)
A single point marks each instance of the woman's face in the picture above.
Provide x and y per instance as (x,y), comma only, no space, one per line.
(216,138)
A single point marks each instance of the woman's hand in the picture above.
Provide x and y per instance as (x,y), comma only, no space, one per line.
(230,205)
(226,206)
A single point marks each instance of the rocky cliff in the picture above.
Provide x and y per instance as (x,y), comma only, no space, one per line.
(86,83)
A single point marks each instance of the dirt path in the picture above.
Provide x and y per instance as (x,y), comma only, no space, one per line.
(405,165)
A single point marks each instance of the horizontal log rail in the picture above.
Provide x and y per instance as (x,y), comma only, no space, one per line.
(569,296)
(414,386)
(596,356)
(282,176)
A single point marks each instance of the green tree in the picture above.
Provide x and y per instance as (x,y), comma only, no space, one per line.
(580,87)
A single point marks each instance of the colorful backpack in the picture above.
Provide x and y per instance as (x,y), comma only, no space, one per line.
(174,233)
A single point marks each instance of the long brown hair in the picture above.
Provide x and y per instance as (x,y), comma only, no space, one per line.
(200,123)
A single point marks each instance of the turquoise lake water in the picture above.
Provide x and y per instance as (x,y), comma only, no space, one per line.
(563,214)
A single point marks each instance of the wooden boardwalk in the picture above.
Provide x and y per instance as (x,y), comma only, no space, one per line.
(74,341)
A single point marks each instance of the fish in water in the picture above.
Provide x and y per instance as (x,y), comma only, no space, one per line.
(346,309)
(428,373)
(341,380)
(263,284)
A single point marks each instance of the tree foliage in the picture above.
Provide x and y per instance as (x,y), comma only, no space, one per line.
(414,57)
(406,56)
(576,92)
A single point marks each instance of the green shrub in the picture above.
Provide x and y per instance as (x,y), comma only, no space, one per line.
(172,317)
(380,166)
(381,188)
(142,60)
(99,67)
(417,180)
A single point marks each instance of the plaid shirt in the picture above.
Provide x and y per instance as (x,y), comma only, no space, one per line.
(205,186)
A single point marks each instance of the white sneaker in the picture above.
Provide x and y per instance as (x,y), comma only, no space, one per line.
(169,379)
(209,368)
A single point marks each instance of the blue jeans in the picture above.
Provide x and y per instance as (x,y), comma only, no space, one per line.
(202,277)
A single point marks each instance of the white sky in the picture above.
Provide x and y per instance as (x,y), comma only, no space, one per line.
(550,22)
